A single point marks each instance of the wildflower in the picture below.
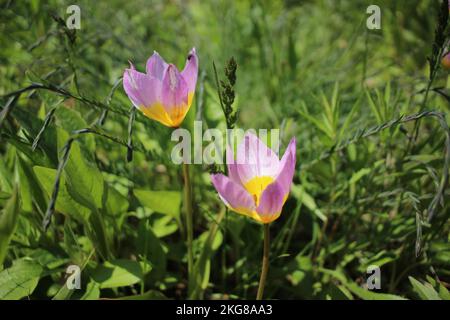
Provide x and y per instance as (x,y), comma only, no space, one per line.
(163,93)
(258,183)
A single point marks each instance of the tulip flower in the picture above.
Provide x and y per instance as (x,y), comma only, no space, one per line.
(446,61)
(163,93)
(257,186)
(258,183)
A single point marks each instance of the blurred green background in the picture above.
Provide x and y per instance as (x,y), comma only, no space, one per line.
(310,68)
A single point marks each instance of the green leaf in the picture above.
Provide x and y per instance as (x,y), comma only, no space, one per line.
(150,248)
(425,291)
(71,120)
(64,203)
(118,273)
(370,295)
(116,204)
(92,291)
(8,221)
(443,292)
(305,198)
(29,186)
(84,182)
(167,202)
(64,293)
(20,279)
(211,242)
(47,144)
(374,108)
(90,218)
(357,290)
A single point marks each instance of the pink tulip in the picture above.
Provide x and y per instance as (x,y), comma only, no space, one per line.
(258,183)
(163,93)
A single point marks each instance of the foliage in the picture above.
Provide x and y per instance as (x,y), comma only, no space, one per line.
(86,181)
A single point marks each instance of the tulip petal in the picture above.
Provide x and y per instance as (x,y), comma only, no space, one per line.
(174,95)
(232,166)
(143,90)
(271,203)
(190,71)
(255,159)
(233,194)
(156,66)
(287,167)
(274,196)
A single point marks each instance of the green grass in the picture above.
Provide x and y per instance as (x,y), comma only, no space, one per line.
(372,152)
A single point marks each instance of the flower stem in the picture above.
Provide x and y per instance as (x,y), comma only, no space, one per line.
(189,222)
(265,263)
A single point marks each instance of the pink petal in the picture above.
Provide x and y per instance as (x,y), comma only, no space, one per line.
(156,66)
(174,94)
(255,159)
(287,167)
(273,197)
(271,202)
(143,90)
(190,70)
(233,194)
(232,166)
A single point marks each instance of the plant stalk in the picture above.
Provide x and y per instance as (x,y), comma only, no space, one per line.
(189,219)
(265,263)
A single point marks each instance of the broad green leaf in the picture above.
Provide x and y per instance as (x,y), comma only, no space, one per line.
(48,259)
(25,188)
(29,186)
(167,202)
(8,220)
(116,203)
(150,249)
(115,206)
(443,292)
(47,144)
(71,245)
(20,279)
(70,120)
(92,291)
(91,219)
(425,291)
(164,226)
(64,293)
(5,178)
(118,273)
(84,181)
(64,202)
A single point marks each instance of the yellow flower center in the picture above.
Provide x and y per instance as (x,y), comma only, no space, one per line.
(257,185)
(174,118)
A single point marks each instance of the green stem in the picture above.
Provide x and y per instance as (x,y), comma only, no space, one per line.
(189,219)
(265,263)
